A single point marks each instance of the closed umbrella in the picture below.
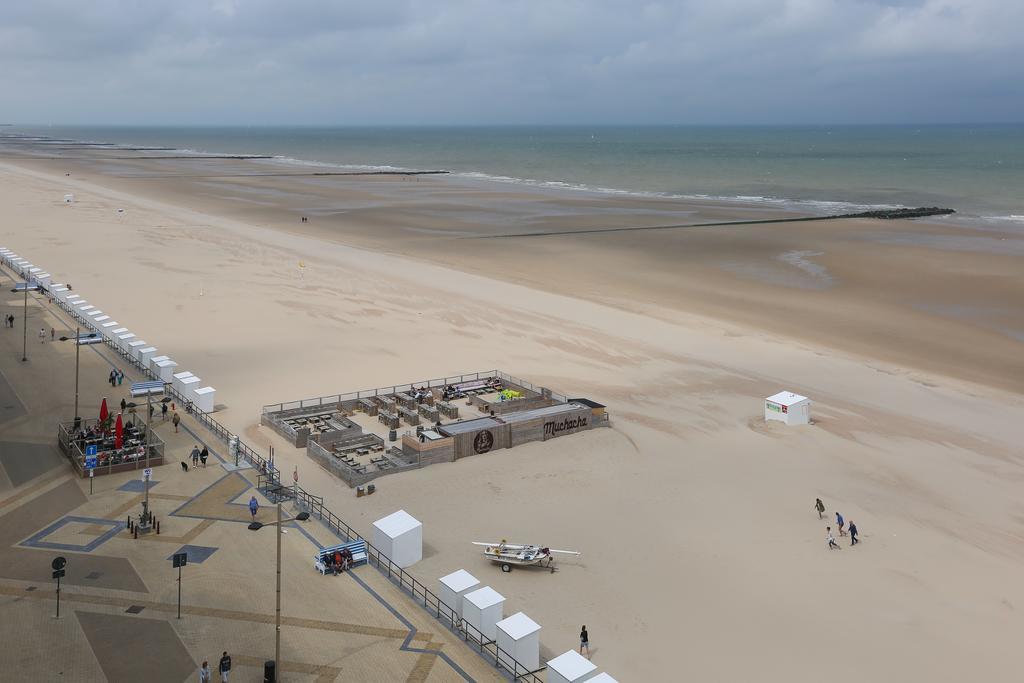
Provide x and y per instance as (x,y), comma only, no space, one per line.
(118,432)
(104,413)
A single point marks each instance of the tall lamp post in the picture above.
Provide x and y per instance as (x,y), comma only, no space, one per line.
(24,323)
(145,519)
(78,348)
(256,526)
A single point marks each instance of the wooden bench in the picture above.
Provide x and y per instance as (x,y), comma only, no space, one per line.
(143,388)
(357,548)
(449,410)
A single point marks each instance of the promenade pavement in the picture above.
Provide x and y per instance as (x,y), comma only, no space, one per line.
(118,602)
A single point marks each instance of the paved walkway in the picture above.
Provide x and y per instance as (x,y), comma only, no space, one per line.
(118,602)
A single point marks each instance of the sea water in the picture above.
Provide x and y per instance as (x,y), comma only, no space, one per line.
(977,170)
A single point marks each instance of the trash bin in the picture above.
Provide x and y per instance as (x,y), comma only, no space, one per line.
(269,673)
(393,435)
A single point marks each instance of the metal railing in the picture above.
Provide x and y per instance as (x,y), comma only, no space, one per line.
(387,391)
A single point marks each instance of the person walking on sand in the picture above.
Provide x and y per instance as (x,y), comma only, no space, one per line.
(830,539)
(254,507)
(585,640)
(840,523)
(195,456)
(853,534)
(204,673)
(163,411)
(820,507)
(176,420)
(224,667)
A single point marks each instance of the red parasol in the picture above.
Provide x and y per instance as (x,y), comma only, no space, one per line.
(104,414)
(118,432)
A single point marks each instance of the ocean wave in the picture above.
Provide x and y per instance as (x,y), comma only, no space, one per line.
(814,206)
(291,161)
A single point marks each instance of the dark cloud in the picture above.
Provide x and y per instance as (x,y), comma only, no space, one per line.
(481,61)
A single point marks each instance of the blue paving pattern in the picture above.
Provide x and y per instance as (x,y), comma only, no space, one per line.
(137,485)
(36,541)
(196,553)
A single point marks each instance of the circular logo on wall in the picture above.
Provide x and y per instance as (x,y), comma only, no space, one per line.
(483,441)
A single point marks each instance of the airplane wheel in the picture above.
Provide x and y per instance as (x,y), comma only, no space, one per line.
(506,568)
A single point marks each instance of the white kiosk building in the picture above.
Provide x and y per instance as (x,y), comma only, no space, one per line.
(785,406)
(400,537)
(454,586)
(570,667)
(482,609)
(519,635)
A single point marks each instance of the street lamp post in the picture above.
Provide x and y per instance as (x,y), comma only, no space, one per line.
(24,327)
(78,349)
(256,526)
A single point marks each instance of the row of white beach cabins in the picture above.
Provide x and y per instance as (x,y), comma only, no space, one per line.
(106,328)
(400,537)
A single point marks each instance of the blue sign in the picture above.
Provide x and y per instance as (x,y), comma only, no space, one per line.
(92,449)
(90,462)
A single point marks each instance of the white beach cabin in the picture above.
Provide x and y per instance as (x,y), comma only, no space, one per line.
(602,678)
(69,199)
(454,586)
(483,609)
(570,667)
(188,388)
(519,635)
(203,397)
(165,369)
(144,354)
(400,537)
(785,406)
(176,380)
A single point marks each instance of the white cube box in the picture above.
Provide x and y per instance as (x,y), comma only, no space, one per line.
(152,363)
(108,328)
(176,380)
(165,369)
(203,399)
(132,347)
(188,388)
(602,678)
(454,586)
(43,279)
(785,406)
(400,537)
(124,339)
(483,609)
(101,318)
(570,667)
(519,635)
(144,353)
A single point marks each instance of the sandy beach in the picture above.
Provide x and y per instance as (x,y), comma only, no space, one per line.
(702,555)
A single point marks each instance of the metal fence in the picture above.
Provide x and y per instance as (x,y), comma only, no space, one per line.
(388,391)
(269,480)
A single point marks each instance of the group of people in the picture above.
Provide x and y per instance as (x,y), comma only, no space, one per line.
(196,455)
(9,320)
(114,378)
(830,539)
(223,668)
(338,561)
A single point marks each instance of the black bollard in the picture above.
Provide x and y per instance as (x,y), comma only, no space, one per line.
(158,528)
(136,534)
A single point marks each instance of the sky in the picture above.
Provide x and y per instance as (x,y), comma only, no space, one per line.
(457,62)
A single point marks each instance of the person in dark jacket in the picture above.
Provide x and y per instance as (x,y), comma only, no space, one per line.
(224,667)
(853,533)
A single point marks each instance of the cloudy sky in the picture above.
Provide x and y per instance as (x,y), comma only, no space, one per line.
(511,61)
